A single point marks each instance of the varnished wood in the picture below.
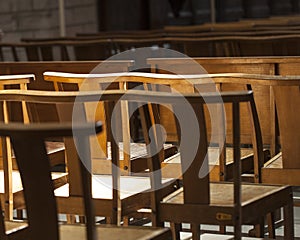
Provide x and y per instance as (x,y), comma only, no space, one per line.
(182,83)
(12,190)
(37,68)
(181,206)
(285,164)
(92,81)
(257,65)
(69,197)
(94,96)
(42,188)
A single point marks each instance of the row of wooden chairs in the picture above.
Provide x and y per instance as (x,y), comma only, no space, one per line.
(156,97)
(243,25)
(216,40)
(254,80)
(110,43)
(34,206)
(218,46)
(109,80)
(38,189)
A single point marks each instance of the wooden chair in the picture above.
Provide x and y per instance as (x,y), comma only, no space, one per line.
(38,188)
(198,201)
(11,188)
(185,84)
(134,155)
(131,196)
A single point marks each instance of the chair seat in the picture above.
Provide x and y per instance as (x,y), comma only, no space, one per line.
(102,186)
(221,194)
(214,154)
(138,158)
(174,167)
(137,150)
(255,201)
(14,226)
(58,178)
(55,150)
(275,162)
(274,172)
(208,236)
(73,232)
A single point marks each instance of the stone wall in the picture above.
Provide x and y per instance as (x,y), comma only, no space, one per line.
(40,18)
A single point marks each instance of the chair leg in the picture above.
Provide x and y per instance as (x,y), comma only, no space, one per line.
(175,228)
(195,231)
(223,229)
(81,219)
(71,219)
(260,228)
(125,221)
(288,212)
(271,224)
(20,214)
(108,220)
